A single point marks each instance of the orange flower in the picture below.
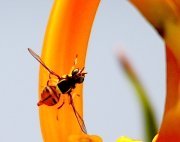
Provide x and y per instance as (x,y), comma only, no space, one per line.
(164,15)
(67,34)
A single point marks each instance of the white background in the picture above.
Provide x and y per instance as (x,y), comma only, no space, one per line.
(111,107)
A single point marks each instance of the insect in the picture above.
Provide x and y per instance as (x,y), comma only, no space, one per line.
(51,94)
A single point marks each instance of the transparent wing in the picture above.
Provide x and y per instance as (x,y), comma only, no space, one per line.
(78,117)
(42,63)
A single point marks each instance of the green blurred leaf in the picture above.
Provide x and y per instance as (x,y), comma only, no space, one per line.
(147,110)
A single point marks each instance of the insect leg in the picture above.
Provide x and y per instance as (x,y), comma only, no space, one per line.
(51,80)
(48,82)
(78,116)
(61,105)
(59,108)
(74,95)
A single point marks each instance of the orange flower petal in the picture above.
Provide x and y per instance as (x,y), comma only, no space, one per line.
(170,127)
(177,3)
(157,12)
(67,34)
(164,15)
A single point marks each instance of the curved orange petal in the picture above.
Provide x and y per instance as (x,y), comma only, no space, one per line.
(164,15)
(177,3)
(157,12)
(67,34)
(170,127)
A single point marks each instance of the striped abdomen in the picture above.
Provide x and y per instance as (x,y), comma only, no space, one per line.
(49,96)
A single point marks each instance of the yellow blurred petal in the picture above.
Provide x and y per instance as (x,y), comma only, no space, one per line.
(67,34)
(84,138)
(126,139)
(155,138)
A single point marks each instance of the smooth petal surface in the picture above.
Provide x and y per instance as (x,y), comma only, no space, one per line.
(177,3)
(67,34)
(170,128)
(164,15)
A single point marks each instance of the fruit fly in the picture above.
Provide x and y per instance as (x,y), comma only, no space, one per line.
(51,94)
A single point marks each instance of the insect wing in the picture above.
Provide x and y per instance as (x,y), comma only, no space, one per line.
(79,118)
(42,63)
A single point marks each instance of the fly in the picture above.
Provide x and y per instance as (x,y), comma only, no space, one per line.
(51,94)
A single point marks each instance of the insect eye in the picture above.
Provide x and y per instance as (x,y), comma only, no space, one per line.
(80,79)
(75,71)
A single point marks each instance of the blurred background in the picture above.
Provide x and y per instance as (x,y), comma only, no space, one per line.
(111,107)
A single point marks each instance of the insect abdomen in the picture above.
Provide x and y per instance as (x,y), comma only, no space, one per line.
(49,96)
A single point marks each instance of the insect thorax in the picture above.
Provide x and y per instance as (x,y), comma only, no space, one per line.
(65,85)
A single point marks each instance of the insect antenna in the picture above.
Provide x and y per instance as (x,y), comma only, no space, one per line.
(83,73)
(75,61)
(82,70)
